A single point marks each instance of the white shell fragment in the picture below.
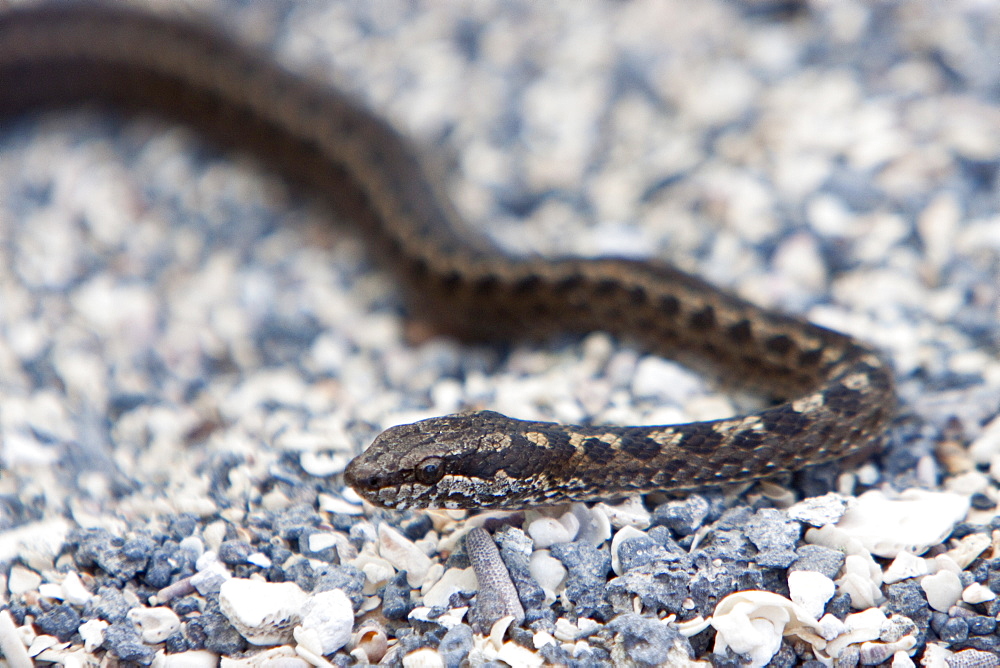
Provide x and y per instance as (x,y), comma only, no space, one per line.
(11,644)
(969,548)
(453,581)
(200,658)
(327,621)
(263,612)
(548,572)
(401,552)
(753,623)
(858,628)
(595,523)
(906,565)
(155,624)
(861,579)
(914,520)
(629,513)
(92,632)
(811,590)
(623,534)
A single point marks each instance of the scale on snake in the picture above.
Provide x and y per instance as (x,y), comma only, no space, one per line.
(834,395)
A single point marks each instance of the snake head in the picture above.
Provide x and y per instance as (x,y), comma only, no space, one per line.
(469,460)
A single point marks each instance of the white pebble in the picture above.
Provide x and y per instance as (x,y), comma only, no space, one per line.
(547,531)
(811,590)
(376,569)
(400,551)
(906,565)
(548,572)
(155,624)
(943,562)
(259,559)
(263,612)
(22,580)
(902,659)
(830,627)
(74,591)
(423,658)
(863,593)
(977,593)
(327,621)
(968,483)
(92,632)
(861,579)
(915,520)
(514,655)
(594,523)
(50,590)
(453,580)
(943,589)
(200,658)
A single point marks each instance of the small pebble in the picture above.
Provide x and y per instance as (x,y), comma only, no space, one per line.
(943,589)
(263,612)
(399,551)
(810,590)
(327,622)
(547,531)
(819,510)
(22,580)
(453,581)
(155,624)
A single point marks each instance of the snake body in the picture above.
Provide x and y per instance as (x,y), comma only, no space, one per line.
(836,393)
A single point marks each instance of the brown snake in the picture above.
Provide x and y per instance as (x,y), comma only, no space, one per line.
(838,393)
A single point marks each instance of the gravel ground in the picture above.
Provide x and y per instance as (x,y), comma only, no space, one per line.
(189,354)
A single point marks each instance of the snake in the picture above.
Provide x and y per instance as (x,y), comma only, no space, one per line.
(829,395)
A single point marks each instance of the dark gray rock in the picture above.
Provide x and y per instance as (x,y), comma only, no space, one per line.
(61,621)
(396,603)
(640,550)
(588,569)
(684,516)
(774,535)
(818,558)
(234,552)
(954,630)
(455,645)
(659,585)
(344,577)
(123,641)
(647,642)
(515,549)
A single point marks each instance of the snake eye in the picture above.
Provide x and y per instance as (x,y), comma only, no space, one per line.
(430,471)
